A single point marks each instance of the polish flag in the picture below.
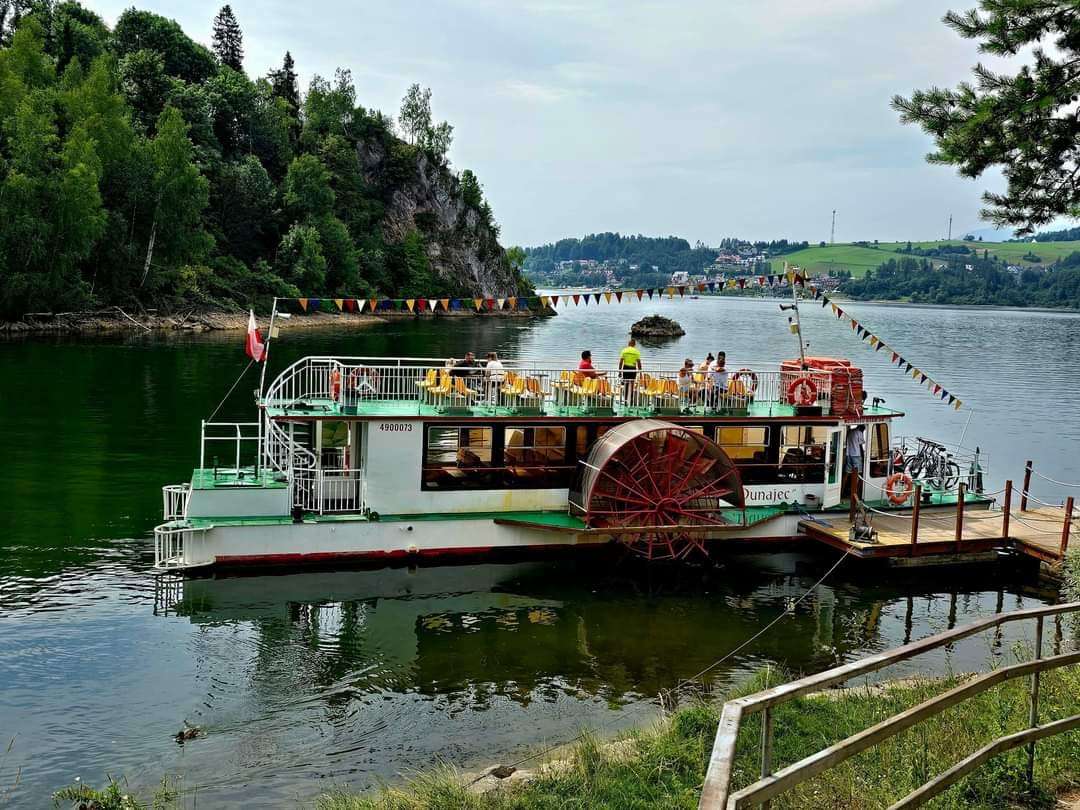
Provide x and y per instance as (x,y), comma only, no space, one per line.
(254,348)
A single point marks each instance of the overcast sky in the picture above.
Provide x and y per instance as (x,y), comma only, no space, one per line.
(700,118)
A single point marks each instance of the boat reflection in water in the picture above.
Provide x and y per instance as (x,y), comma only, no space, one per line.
(359,676)
(617,630)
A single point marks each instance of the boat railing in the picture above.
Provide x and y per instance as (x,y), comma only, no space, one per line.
(179,545)
(719,792)
(346,382)
(245,438)
(326,491)
(283,453)
(972,463)
(175,501)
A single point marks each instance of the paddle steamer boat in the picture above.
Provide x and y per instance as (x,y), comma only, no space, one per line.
(368,458)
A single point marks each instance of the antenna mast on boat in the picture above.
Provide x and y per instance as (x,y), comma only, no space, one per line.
(794,323)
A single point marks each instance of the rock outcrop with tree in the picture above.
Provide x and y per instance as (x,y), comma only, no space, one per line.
(141,168)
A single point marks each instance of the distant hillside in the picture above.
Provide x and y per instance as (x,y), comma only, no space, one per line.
(980,279)
(858,258)
(642,261)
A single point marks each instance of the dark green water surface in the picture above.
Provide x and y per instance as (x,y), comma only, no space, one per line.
(304,681)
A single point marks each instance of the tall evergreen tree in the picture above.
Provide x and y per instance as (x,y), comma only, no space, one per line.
(1023,122)
(228,39)
(285,84)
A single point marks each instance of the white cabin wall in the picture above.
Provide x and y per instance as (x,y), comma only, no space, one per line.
(239,502)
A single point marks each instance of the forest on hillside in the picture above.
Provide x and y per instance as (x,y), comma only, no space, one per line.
(139,167)
(979,279)
(668,254)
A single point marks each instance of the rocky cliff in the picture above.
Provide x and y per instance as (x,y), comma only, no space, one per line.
(423,195)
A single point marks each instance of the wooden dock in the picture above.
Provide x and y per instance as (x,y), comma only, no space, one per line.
(1043,533)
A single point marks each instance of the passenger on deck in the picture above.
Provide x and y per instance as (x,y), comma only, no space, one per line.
(495,375)
(630,365)
(685,380)
(718,378)
(585,367)
(856,444)
(703,367)
(466,367)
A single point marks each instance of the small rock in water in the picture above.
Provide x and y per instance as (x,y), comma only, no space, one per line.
(657,326)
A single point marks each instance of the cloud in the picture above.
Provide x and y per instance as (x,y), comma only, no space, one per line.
(698,117)
(533,92)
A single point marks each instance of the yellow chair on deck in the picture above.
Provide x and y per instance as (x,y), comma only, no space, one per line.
(430,380)
(663,395)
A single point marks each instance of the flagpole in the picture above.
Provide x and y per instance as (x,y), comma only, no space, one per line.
(266,347)
(262,381)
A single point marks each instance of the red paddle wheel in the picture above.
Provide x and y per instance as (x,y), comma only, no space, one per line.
(657,487)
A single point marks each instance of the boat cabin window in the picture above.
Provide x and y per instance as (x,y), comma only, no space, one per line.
(879,450)
(496,457)
(530,446)
(457,458)
(748,447)
(585,435)
(802,453)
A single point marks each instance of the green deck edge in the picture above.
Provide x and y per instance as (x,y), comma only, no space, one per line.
(205,478)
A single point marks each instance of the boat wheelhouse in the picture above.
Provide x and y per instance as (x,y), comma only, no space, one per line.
(376,457)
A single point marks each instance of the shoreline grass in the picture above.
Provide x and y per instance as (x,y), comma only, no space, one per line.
(663,766)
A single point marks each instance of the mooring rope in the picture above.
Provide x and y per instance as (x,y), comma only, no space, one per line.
(1054,480)
(1044,503)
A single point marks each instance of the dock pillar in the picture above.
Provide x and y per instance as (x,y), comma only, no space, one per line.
(853,498)
(915,520)
(1006,508)
(1027,487)
(1066,526)
(961,492)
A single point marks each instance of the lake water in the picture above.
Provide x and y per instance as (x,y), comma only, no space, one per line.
(307,681)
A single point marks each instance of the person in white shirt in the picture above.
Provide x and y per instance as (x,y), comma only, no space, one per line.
(718,377)
(685,380)
(855,447)
(495,374)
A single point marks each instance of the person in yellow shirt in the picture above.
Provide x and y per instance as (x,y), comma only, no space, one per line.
(630,365)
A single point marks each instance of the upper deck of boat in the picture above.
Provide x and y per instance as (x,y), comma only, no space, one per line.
(397,388)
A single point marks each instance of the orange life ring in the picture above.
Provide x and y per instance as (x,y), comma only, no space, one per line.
(747,374)
(802,391)
(898,496)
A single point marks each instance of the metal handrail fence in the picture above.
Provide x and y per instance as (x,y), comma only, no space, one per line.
(717,790)
(329,381)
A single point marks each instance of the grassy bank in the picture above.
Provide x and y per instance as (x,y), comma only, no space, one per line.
(664,766)
(857,259)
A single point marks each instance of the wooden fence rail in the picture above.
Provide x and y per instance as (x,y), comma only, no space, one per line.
(717,790)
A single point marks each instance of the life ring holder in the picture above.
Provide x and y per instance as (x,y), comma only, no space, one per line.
(899,496)
(802,391)
(747,374)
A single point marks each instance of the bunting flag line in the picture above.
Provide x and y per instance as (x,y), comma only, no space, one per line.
(877,344)
(512,303)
